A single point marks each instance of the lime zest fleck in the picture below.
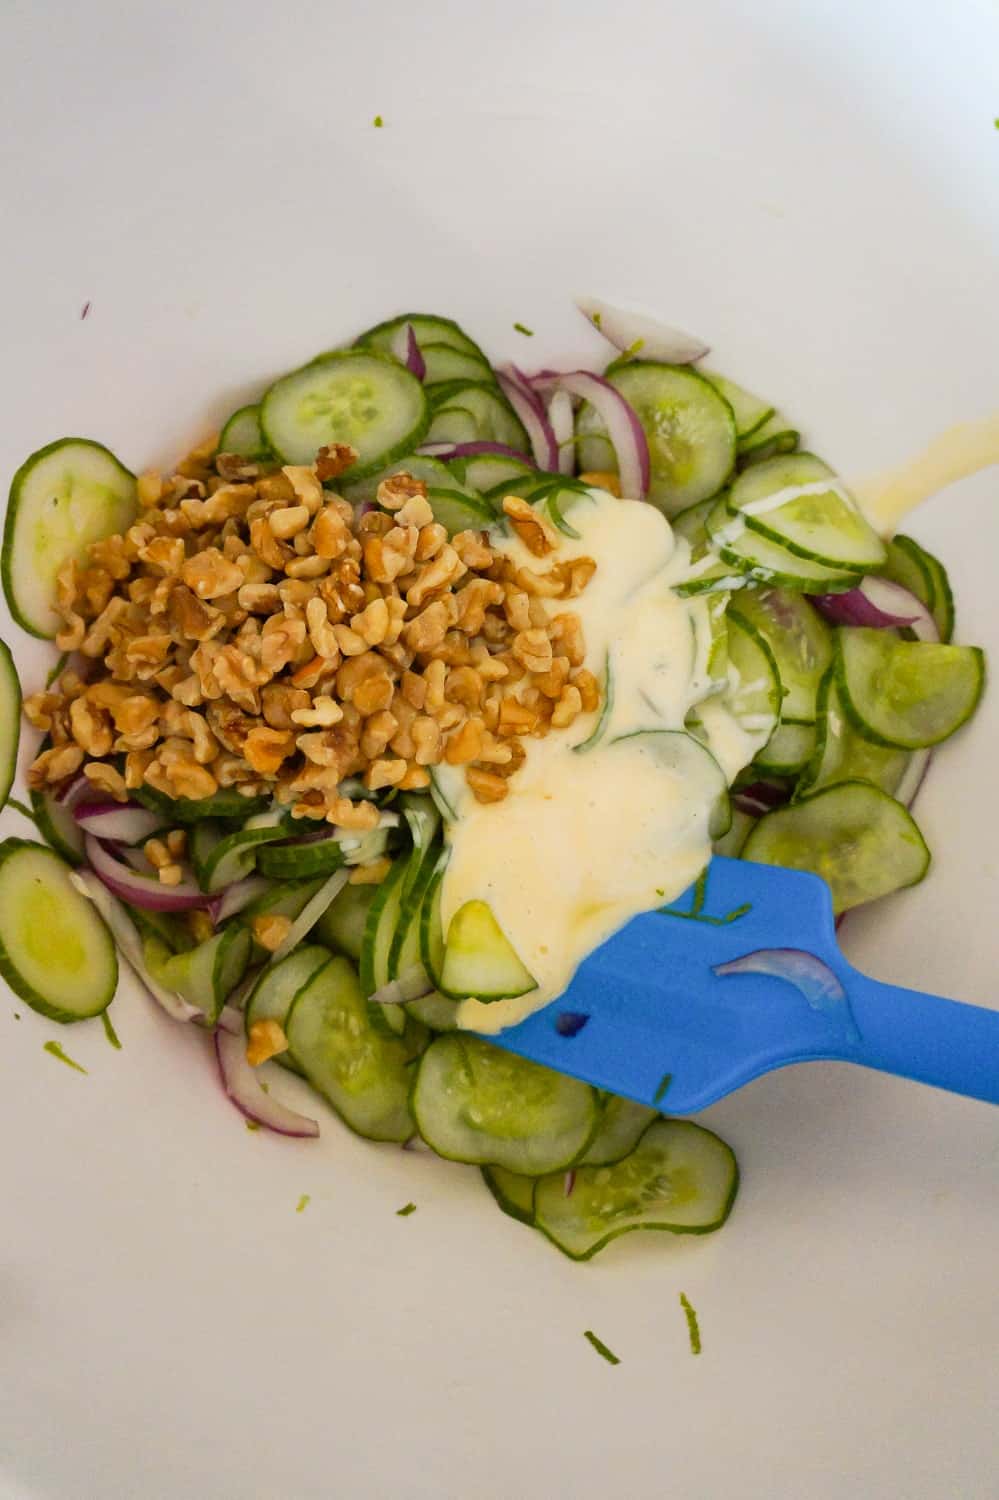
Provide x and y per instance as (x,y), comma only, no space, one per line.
(406,1210)
(664,1084)
(378,122)
(595,320)
(252,1124)
(303,1203)
(110,1032)
(693,1327)
(633,349)
(601,1347)
(54,1050)
(527,332)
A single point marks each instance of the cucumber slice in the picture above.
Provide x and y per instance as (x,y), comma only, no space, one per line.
(767,562)
(489,472)
(750,411)
(685,758)
(906,694)
(680,1178)
(444,362)
(55,952)
(798,502)
(862,842)
(242,434)
(57,825)
(798,637)
(357,397)
(513,1193)
(475,1103)
(10,721)
(788,750)
(424,823)
(526,487)
(925,576)
(282,901)
(227,804)
(558,498)
(379,930)
(206,976)
(420,466)
(431,930)
(772,437)
(171,931)
(731,843)
(622,1125)
(365,1076)
(219,862)
(708,574)
(62,498)
(494,419)
(427,329)
(753,693)
(479,962)
(457,513)
(342,924)
(300,861)
(435,1011)
(843,755)
(274,992)
(689,427)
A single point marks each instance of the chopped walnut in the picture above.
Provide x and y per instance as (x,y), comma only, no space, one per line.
(266,1038)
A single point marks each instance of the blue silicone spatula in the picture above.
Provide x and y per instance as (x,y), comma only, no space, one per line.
(648,1015)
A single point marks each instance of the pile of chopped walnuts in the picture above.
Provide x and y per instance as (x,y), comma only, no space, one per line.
(251,631)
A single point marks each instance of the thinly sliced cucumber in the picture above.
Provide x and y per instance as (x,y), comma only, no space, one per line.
(431,930)
(233,856)
(798,502)
(430,470)
(788,750)
(843,755)
(526,487)
(444,362)
(242,434)
(925,576)
(680,1178)
(206,976)
(57,825)
(379,930)
(62,498)
(300,861)
(767,562)
(798,637)
(753,694)
(435,1011)
(558,499)
(457,513)
(342,924)
(475,1103)
(603,719)
(55,952)
(282,901)
(689,427)
(708,573)
(274,992)
(906,694)
(479,961)
(494,418)
(364,1075)
(427,329)
(750,411)
(775,435)
(10,721)
(731,843)
(488,472)
(513,1193)
(622,1125)
(170,929)
(424,822)
(862,842)
(226,805)
(356,397)
(687,760)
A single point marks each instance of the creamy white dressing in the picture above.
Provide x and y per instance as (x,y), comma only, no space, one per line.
(961,450)
(584,841)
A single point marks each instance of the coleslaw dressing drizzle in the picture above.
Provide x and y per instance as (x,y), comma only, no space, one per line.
(959,451)
(585,841)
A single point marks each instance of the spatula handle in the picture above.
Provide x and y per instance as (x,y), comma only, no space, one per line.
(942,1042)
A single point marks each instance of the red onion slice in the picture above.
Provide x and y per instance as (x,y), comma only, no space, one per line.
(618,416)
(475,450)
(72,792)
(235,897)
(560,420)
(124,822)
(406,349)
(881,605)
(412,985)
(532,414)
(231,1018)
(129,945)
(810,976)
(913,777)
(641,333)
(242,1086)
(140,890)
(760,797)
(310,914)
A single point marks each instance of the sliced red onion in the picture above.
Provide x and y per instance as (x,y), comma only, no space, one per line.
(881,605)
(475,450)
(242,1085)
(412,985)
(406,349)
(760,797)
(231,1018)
(532,414)
(623,427)
(913,777)
(140,890)
(75,791)
(129,945)
(569,1183)
(640,333)
(560,420)
(235,897)
(810,976)
(310,914)
(124,822)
